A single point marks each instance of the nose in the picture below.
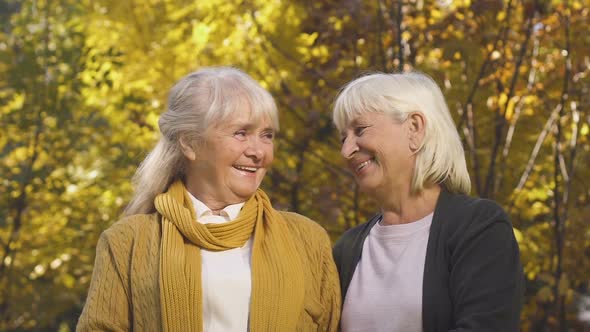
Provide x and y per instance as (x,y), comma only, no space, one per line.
(255,149)
(349,147)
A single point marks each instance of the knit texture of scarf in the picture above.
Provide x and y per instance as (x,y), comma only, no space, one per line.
(277,276)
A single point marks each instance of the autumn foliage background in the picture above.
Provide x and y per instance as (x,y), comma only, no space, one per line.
(82,84)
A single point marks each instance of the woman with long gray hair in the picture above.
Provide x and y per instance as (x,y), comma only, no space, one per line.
(201,247)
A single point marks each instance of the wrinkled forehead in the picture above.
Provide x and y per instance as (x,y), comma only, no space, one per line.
(348,111)
(354,107)
(264,118)
(254,110)
(249,119)
(353,118)
(356,100)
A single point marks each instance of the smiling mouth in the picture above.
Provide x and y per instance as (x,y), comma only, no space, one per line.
(363,165)
(246,168)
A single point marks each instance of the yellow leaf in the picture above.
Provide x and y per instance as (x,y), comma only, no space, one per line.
(503,98)
(200,35)
(291,162)
(563,285)
(510,108)
(183,11)
(50,122)
(152,119)
(20,153)
(69,281)
(406,35)
(17,102)
(517,235)
(436,14)
(545,294)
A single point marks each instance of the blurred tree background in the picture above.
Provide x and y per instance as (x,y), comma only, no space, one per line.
(82,83)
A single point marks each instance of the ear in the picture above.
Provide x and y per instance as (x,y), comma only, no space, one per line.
(187,149)
(416,124)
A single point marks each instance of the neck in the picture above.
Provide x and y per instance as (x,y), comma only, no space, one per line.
(406,208)
(216,212)
(204,194)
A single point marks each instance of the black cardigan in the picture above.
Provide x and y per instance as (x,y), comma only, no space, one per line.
(473,278)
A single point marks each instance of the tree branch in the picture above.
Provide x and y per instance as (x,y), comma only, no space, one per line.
(492,183)
(559,226)
(290,57)
(398,28)
(531,162)
(518,107)
(380,51)
(573,152)
(467,112)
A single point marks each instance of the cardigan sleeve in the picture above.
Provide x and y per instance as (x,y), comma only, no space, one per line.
(486,278)
(107,305)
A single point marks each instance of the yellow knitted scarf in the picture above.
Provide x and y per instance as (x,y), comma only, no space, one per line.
(277,277)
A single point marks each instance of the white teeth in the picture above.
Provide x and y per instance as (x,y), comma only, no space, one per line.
(245,168)
(363,164)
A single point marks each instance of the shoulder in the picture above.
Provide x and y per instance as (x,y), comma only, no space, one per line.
(307,234)
(462,210)
(313,245)
(462,217)
(129,230)
(303,227)
(132,238)
(129,225)
(350,245)
(477,205)
(351,235)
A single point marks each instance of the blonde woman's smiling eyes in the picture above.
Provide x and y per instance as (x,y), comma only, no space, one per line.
(357,130)
(268,135)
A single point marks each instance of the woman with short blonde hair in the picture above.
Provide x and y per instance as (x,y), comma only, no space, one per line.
(433,258)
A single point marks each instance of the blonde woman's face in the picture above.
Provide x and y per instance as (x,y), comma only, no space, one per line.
(377,152)
(233,160)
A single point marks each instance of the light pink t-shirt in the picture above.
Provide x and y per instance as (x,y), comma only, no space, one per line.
(385,293)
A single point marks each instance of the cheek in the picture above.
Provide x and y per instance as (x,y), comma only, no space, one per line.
(270,155)
(234,151)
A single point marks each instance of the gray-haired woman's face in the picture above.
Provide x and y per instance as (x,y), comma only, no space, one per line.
(234,158)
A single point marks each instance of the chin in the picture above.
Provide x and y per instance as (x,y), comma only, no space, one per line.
(368,187)
(367,190)
(244,187)
(245,193)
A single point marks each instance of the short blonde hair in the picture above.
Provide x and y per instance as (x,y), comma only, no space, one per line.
(440,159)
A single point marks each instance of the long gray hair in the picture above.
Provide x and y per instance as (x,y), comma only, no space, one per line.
(199,100)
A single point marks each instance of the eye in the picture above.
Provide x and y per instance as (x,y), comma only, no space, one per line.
(358,131)
(269,135)
(240,134)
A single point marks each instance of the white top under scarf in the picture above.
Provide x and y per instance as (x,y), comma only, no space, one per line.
(385,293)
(226,277)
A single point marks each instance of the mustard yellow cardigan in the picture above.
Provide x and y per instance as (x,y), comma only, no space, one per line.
(124,294)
